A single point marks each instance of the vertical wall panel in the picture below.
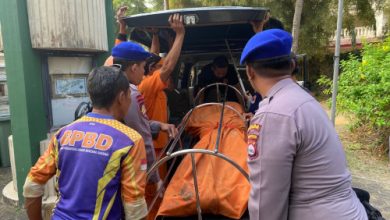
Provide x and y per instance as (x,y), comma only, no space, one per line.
(68,25)
(1,40)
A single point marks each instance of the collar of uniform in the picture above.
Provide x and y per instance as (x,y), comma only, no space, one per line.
(133,86)
(277,87)
(101,116)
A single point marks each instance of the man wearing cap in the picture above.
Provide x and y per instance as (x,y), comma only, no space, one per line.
(130,57)
(153,85)
(157,74)
(296,161)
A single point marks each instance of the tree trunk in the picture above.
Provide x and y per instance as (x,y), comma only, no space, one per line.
(166,4)
(296,24)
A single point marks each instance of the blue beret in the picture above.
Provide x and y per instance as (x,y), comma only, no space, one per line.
(269,44)
(130,51)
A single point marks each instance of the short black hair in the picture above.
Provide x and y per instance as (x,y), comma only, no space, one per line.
(273,23)
(104,84)
(220,62)
(282,64)
(150,61)
(124,63)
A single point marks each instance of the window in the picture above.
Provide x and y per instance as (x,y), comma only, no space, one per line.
(68,87)
(4,105)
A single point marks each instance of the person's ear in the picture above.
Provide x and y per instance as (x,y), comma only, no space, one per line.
(123,97)
(293,65)
(250,72)
(133,67)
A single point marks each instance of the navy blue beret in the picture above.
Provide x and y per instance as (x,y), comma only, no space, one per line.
(130,51)
(269,44)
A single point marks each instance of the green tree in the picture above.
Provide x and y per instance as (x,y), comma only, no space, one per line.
(364,88)
(134,6)
(317,24)
(359,13)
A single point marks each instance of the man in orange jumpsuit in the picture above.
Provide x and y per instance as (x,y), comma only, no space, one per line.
(153,85)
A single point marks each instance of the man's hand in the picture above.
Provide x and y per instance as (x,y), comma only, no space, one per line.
(155,47)
(120,14)
(258,26)
(176,23)
(170,129)
(170,61)
(248,116)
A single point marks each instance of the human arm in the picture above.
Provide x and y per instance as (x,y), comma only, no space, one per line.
(176,23)
(258,26)
(133,181)
(170,129)
(119,15)
(122,37)
(155,47)
(272,143)
(39,174)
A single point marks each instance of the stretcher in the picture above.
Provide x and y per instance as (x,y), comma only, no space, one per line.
(211,181)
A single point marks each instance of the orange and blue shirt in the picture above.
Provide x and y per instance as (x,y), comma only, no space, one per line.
(99,164)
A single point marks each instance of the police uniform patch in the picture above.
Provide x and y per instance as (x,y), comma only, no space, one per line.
(251,150)
(253,134)
(141,104)
(144,165)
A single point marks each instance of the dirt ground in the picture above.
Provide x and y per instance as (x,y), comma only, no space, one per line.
(369,171)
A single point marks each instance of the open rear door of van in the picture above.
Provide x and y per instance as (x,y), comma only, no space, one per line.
(207,29)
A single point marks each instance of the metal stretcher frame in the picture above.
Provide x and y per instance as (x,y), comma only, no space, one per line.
(197,97)
(170,146)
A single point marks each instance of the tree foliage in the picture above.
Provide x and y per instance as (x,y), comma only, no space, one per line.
(134,6)
(318,20)
(317,24)
(364,87)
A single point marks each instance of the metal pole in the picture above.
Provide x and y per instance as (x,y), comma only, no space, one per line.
(198,208)
(336,60)
(219,135)
(243,90)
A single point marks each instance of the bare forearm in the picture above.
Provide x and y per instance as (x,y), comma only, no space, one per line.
(172,58)
(122,27)
(34,207)
(155,48)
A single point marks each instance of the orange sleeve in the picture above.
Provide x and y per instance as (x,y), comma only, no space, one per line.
(118,41)
(151,85)
(133,178)
(46,165)
(120,38)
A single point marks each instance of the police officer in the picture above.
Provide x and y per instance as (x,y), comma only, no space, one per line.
(296,160)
